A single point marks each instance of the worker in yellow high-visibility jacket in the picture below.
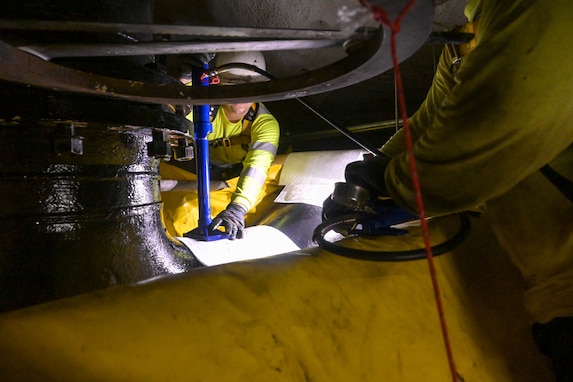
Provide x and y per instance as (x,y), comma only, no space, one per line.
(243,142)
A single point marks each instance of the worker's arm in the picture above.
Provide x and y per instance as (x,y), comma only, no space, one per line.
(423,118)
(508,114)
(265,134)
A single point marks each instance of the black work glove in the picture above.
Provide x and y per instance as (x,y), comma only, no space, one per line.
(369,173)
(233,219)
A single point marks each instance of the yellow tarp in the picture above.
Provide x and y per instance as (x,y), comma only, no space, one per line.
(180,213)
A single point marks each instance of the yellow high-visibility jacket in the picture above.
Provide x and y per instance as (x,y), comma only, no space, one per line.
(263,146)
(180,207)
(486,129)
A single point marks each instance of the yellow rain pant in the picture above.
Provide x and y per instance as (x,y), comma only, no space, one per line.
(302,316)
(180,207)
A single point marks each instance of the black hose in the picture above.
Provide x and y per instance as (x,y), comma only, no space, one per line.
(389,256)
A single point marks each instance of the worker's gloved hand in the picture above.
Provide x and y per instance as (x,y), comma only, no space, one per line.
(369,173)
(233,219)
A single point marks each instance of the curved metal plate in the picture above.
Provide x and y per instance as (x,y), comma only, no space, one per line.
(175,30)
(365,61)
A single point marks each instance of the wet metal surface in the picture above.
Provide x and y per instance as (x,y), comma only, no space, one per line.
(296,220)
(75,223)
(80,193)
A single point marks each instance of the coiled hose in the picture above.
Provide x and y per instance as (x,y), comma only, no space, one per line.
(389,256)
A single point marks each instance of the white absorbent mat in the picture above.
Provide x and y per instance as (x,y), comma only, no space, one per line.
(309,177)
(258,242)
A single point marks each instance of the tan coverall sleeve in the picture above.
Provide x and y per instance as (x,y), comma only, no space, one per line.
(442,84)
(505,117)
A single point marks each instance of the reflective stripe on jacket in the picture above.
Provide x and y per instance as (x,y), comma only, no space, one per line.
(265,134)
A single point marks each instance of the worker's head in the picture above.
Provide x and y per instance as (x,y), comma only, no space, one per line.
(240,67)
(235,68)
(236,111)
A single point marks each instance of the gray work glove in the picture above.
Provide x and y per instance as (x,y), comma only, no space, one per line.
(369,173)
(233,219)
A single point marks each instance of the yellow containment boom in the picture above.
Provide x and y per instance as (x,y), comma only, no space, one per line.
(308,315)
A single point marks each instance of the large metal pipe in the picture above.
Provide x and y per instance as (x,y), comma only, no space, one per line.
(80,198)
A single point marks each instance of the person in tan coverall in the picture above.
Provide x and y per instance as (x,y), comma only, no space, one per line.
(496,132)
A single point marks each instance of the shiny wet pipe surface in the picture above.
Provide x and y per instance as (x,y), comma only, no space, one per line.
(81,206)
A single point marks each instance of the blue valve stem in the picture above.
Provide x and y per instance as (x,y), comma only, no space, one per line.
(203,126)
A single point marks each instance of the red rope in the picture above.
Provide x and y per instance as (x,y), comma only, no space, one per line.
(381,16)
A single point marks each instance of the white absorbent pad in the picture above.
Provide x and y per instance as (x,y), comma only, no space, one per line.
(258,242)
